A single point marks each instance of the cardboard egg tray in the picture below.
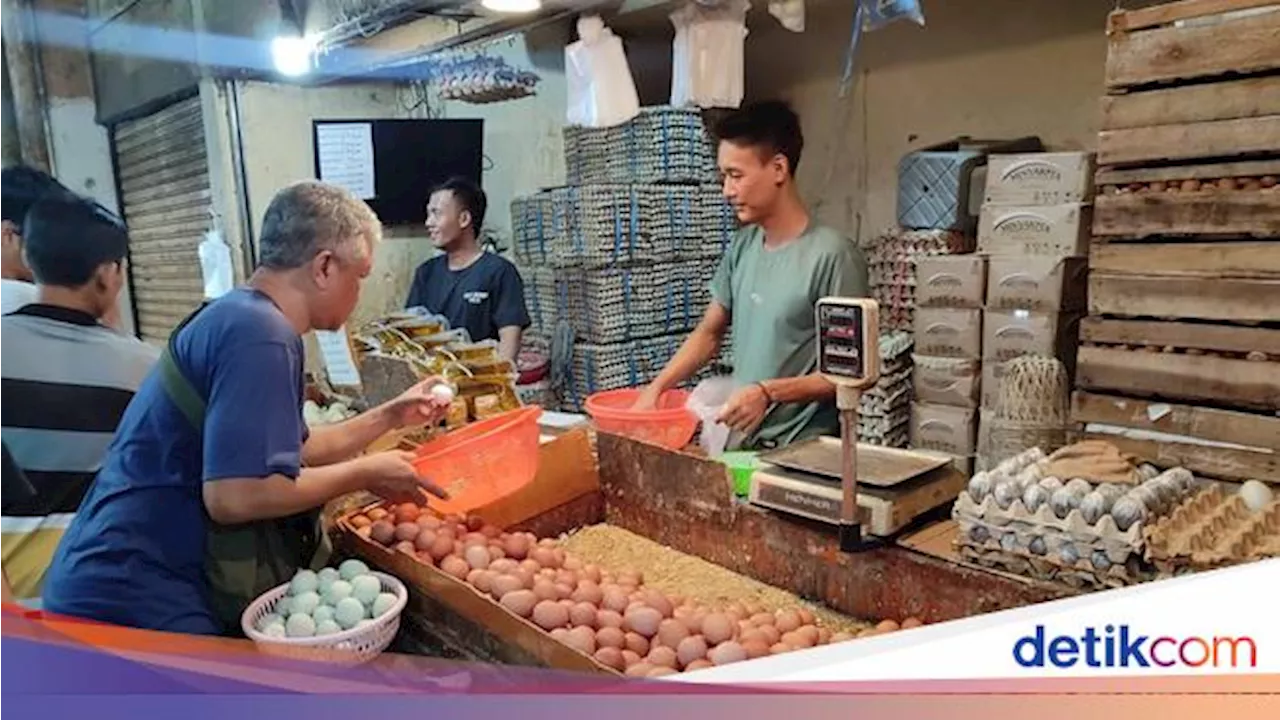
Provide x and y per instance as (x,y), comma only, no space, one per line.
(1040,569)
(1213,528)
(1022,534)
(989,512)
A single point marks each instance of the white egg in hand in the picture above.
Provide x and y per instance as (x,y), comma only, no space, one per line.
(442,392)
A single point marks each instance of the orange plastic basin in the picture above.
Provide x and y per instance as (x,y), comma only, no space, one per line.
(670,425)
(483,461)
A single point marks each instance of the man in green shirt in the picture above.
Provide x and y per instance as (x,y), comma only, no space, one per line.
(780,264)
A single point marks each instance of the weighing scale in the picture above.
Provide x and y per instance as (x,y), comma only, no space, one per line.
(819,478)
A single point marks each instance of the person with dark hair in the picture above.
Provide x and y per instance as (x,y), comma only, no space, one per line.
(210,493)
(66,378)
(21,187)
(780,263)
(477,290)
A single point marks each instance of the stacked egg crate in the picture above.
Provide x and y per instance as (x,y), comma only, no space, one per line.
(660,145)
(595,366)
(1215,527)
(891,269)
(1079,533)
(885,410)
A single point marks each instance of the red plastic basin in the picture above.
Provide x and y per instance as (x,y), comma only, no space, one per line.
(483,461)
(670,425)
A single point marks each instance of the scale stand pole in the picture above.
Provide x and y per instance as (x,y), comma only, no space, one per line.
(847,399)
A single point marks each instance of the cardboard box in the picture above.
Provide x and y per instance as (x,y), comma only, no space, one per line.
(992,376)
(946,381)
(943,428)
(1039,178)
(956,281)
(949,332)
(983,459)
(1043,284)
(1008,334)
(1046,231)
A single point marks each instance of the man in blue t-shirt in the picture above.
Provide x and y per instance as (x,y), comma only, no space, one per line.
(135,553)
(474,289)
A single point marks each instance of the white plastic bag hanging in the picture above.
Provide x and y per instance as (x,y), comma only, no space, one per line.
(882,12)
(601,91)
(215,266)
(788,13)
(707,63)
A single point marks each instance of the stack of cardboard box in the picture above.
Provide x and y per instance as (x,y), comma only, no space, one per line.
(1034,231)
(948,355)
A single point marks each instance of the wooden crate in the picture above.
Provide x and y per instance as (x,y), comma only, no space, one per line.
(1150,372)
(1240,300)
(1219,443)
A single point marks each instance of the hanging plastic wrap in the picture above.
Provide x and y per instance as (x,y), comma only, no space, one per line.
(601,90)
(707,63)
(788,13)
(873,15)
(483,79)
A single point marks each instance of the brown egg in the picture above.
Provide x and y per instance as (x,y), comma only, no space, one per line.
(481,580)
(517,546)
(477,556)
(526,578)
(365,531)
(636,643)
(658,601)
(382,532)
(455,566)
(544,557)
(691,649)
(424,556)
(547,574)
(546,542)
(407,513)
(613,598)
(809,633)
(548,615)
(660,671)
(501,585)
(377,514)
(779,648)
(611,637)
(441,547)
(698,665)
(762,618)
(753,635)
(726,653)
(671,632)
(407,531)
(736,608)
(608,618)
(583,614)
(755,649)
(566,603)
(475,538)
(430,522)
(592,573)
(806,617)
(530,567)
(841,637)
(769,633)
(611,657)
(787,620)
(496,553)
(629,577)
(642,620)
(662,656)
(582,639)
(490,531)
(563,591)
(505,566)
(824,636)
(567,577)
(559,634)
(520,602)
(743,626)
(474,523)
(560,556)
(426,538)
(544,589)
(887,625)
(588,591)
(911,622)
(630,657)
(676,601)
(572,563)
(796,640)
(640,669)
(406,546)
(695,620)
(718,628)
(359,521)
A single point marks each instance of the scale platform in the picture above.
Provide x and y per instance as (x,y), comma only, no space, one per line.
(894,486)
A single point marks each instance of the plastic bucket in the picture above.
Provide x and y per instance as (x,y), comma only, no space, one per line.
(670,425)
(483,461)
(742,466)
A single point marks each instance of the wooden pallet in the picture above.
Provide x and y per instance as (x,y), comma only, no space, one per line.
(1240,300)
(1211,379)
(1218,443)
(1231,340)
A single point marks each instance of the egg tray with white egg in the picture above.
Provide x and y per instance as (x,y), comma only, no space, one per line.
(1218,526)
(570,614)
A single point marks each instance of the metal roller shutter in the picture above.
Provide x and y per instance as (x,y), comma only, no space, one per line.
(163,172)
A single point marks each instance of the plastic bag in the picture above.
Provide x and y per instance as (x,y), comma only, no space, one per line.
(788,13)
(601,91)
(706,401)
(216,267)
(707,63)
(878,13)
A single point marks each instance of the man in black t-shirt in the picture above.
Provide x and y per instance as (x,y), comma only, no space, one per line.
(474,289)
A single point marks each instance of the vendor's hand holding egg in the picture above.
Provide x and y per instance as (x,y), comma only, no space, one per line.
(423,404)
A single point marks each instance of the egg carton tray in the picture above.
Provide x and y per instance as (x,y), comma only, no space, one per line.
(901,319)
(898,438)
(595,367)
(883,426)
(604,306)
(990,512)
(1214,527)
(1044,571)
(661,144)
(1050,542)
(898,243)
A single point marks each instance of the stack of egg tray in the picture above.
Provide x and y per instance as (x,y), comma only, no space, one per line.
(597,367)
(891,269)
(660,145)
(1212,528)
(885,410)
(616,304)
(620,225)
